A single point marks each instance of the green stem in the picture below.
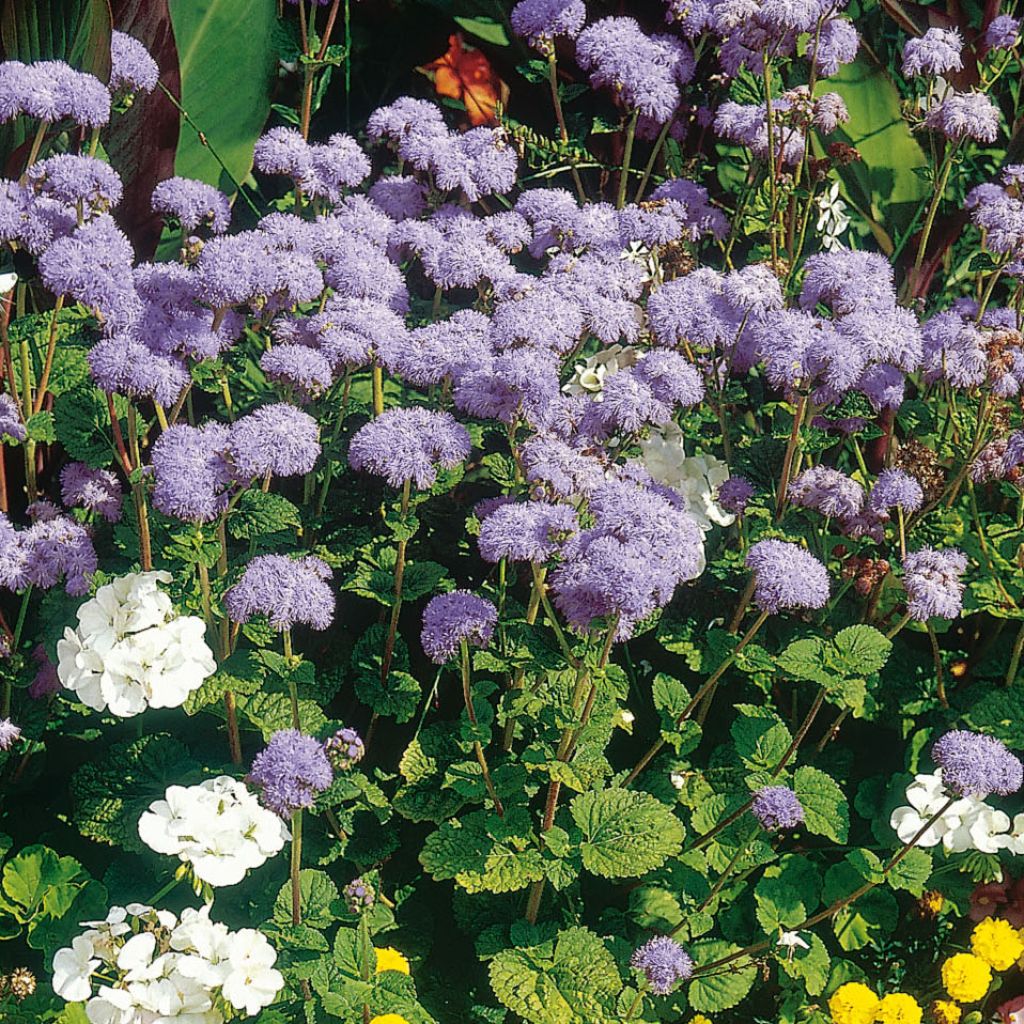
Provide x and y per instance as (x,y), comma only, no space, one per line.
(652,159)
(933,209)
(139,491)
(1018,647)
(396,608)
(37,143)
(478,750)
(563,132)
(627,156)
(296,867)
(563,643)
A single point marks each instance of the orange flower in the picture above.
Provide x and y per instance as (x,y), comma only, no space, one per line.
(465,74)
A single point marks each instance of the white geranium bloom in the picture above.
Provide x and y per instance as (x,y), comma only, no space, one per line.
(72,970)
(218,827)
(590,374)
(162,969)
(253,982)
(131,651)
(1014,839)
(695,478)
(967,824)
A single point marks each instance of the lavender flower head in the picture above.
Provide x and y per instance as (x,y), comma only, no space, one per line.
(965,115)
(1002,32)
(344,749)
(10,419)
(358,896)
(132,68)
(734,494)
(277,439)
(291,771)
(526,531)
(51,90)
(935,53)
(97,490)
(895,489)
(663,962)
(540,22)
(787,576)
(286,590)
(931,579)
(191,472)
(73,179)
(299,367)
(828,491)
(976,765)
(409,444)
(451,618)
(776,808)
(193,203)
(9,733)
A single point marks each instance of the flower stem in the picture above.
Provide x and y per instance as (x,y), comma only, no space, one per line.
(51,345)
(377,385)
(396,608)
(560,117)
(1018,647)
(139,490)
(33,153)
(655,748)
(899,625)
(627,156)
(532,608)
(929,221)
(787,461)
(652,159)
(541,588)
(478,749)
(295,867)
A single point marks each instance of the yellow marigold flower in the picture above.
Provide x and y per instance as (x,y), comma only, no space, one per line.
(700,1019)
(966,977)
(389,1018)
(997,943)
(389,959)
(931,903)
(945,1012)
(899,1009)
(853,1003)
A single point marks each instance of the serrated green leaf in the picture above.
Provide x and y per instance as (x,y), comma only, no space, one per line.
(319,900)
(625,833)
(258,514)
(721,990)
(912,872)
(825,809)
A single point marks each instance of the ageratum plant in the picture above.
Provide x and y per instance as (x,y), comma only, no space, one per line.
(566,578)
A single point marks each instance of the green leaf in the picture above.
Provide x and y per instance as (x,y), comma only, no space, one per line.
(32,874)
(825,809)
(239,674)
(82,423)
(319,900)
(999,712)
(863,650)
(787,893)
(869,918)
(227,57)
(812,965)
(421,579)
(40,427)
(578,983)
(912,873)
(761,740)
(718,991)
(109,795)
(884,185)
(258,514)
(625,833)
(271,712)
(489,30)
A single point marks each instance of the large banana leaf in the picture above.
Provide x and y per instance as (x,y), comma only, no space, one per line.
(227,57)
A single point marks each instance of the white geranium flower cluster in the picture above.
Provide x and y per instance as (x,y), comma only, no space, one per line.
(142,965)
(967,824)
(589,375)
(696,478)
(131,650)
(218,827)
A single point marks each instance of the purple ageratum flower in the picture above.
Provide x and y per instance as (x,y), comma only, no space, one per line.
(828,491)
(399,196)
(193,203)
(344,749)
(124,365)
(1013,453)
(829,112)
(409,445)
(526,531)
(848,281)
(955,348)
(291,771)
(283,150)
(337,165)
(555,465)
(965,115)
(777,808)
(787,576)
(895,489)
(748,125)
(976,765)
(192,475)
(9,734)
(837,45)
(931,579)
(1002,32)
(54,546)
(132,68)
(51,90)
(299,367)
(286,590)
(358,896)
(77,179)
(428,355)
(699,217)
(663,962)
(540,22)
(46,681)
(935,53)
(277,439)
(643,71)
(97,490)
(451,618)
(990,462)
(10,419)
(734,494)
